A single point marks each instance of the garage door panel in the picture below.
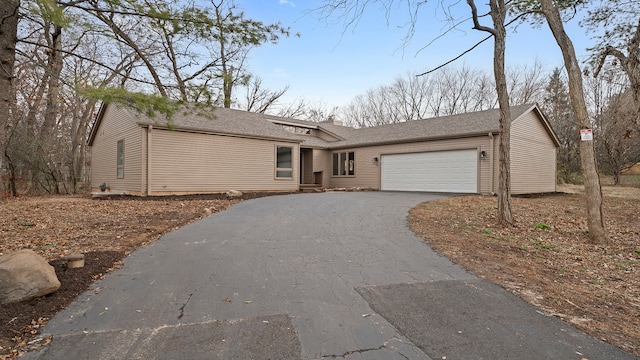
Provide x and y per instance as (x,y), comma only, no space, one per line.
(438,171)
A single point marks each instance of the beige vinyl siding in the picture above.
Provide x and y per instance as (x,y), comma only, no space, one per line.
(533,156)
(147,138)
(184,162)
(367,173)
(322,163)
(117,125)
(495,157)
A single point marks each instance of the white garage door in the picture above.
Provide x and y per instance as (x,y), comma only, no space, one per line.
(437,171)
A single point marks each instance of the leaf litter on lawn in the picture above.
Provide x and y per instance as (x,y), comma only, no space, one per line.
(547,259)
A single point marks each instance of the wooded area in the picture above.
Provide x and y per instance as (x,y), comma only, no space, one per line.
(61,59)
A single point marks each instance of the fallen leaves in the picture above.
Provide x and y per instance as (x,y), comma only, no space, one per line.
(59,226)
(546,258)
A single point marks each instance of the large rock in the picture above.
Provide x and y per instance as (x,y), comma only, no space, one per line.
(25,275)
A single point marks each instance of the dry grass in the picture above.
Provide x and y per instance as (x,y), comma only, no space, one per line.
(610,191)
(547,259)
(61,225)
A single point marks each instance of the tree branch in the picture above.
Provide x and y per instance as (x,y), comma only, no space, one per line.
(476,22)
(90,60)
(609,50)
(457,57)
(476,45)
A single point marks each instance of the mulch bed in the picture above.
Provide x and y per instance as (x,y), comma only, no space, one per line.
(22,321)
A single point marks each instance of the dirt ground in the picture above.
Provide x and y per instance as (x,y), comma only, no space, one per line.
(546,259)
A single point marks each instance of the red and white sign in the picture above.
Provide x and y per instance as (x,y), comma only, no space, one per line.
(586,134)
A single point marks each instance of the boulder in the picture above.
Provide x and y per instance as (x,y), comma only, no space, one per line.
(233,194)
(25,275)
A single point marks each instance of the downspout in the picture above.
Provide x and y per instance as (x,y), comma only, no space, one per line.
(491,169)
(149,129)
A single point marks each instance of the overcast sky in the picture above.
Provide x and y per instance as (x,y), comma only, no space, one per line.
(332,64)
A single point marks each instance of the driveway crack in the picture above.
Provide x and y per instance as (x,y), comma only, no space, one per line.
(385,345)
(184,305)
(351,352)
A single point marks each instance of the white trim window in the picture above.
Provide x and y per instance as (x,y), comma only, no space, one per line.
(120,161)
(344,163)
(284,162)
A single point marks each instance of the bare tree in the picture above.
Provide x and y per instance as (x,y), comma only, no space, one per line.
(8,37)
(378,106)
(620,20)
(447,91)
(526,83)
(483,97)
(47,95)
(460,90)
(357,114)
(613,112)
(261,100)
(295,109)
(46,143)
(498,12)
(593,190)
(618,143)
(412,96)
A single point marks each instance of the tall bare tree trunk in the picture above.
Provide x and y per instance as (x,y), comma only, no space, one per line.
(47,140)
(8,38)
(498,14)
(593,191)
(78,142)
(53,71)
(227,85)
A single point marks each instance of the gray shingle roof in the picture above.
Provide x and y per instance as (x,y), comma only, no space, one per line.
(313,142)
(220,120)
(247,124)
(481,122)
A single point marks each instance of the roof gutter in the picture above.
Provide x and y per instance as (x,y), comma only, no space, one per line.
(405,141)
(284,122)
(220,133)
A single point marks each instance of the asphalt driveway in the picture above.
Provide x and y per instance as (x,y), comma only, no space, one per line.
(307,276)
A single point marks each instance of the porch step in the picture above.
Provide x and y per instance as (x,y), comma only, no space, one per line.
(307,188)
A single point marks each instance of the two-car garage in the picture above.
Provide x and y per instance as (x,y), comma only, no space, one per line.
(452,154)
(453,171)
